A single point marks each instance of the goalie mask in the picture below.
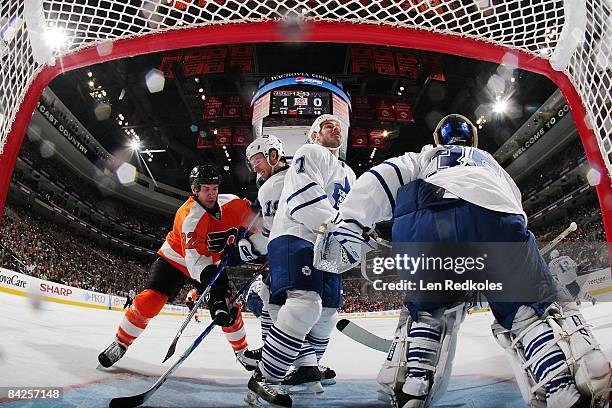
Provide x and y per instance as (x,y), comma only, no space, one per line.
(456,129)
(264,145)
(204,174)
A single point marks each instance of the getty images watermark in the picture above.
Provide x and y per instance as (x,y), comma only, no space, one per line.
(443,271)
(414,266)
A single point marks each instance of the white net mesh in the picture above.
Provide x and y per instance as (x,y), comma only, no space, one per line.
(532,26)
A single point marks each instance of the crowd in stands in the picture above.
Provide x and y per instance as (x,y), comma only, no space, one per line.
(49,252)
(587,245)
(116,211)
(567,158)
(559,193)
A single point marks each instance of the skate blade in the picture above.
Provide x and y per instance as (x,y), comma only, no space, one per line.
(329,381)
(254,400)
(314,387)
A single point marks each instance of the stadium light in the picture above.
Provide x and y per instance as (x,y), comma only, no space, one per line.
(135,145)
(56,38)
(500,106)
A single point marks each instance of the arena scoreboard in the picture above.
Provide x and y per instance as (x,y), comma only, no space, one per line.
(287,102)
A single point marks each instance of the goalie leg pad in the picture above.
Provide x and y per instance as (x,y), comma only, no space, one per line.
(420,360)
(591,367)
(539,364)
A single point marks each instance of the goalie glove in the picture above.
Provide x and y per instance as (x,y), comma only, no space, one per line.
(339,247)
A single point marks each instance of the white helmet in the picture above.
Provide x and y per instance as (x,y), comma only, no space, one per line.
(316,125)
(263,145)
(554,254)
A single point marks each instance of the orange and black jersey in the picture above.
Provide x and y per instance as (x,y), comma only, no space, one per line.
(198,237)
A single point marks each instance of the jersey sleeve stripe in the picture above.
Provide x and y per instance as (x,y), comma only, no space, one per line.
(351,221)
(397,171)
(307,203)
(301,190)
(385,187)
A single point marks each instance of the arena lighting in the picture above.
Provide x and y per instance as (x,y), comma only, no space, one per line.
(135,145)
(500,106)
(56,38)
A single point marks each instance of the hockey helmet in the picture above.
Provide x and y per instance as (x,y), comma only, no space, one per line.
(263,145)
(456,129)
(204,174)
(554,254)
(316,125)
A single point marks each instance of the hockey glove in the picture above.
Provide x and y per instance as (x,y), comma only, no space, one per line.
(247,250)
(231,254)
(255,304)
(220,308)
(340,246)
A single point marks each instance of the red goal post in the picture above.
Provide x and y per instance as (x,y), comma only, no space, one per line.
(574,35)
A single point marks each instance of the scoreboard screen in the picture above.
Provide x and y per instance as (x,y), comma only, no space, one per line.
(299,103)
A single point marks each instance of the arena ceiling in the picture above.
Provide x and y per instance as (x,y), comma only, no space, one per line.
(165,120)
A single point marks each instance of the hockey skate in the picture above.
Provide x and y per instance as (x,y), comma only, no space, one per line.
(112,354)
(328,376)
(270,393)
(303,380)
(249,358)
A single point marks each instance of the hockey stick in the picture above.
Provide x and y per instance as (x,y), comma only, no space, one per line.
(572,227)
(194,309)
(136,400)
(363,336)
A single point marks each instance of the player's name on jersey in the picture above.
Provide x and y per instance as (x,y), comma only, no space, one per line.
(446,285)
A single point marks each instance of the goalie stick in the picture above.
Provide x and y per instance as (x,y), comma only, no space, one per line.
(194,309)
(572,227)
(363,336)
(139,399)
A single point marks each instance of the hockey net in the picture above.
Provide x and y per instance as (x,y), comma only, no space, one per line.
(575,36)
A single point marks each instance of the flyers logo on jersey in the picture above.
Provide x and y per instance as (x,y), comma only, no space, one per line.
(217,240)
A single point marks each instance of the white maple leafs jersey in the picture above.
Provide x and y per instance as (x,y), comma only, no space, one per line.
(268,196)
(465,172)
(315,185)
(564,269)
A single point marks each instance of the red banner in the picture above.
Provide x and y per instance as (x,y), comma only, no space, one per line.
(408,65)
(403,112)
(435,67)
(168,61)
(359,137)
(223,136)
(204,142)
(384,109)
(242,51)
(361,60)
(242,136)
(242,64)
(232,108)
(384,62)
(376,138)
(193,62)
(215,61)
(212,107)
(362,108)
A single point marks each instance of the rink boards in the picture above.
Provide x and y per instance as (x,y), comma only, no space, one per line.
(57,344)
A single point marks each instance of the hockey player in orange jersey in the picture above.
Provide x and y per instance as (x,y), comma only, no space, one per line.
(190,301)
(205,228)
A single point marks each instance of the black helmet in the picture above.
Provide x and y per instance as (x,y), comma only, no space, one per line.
(204,174)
